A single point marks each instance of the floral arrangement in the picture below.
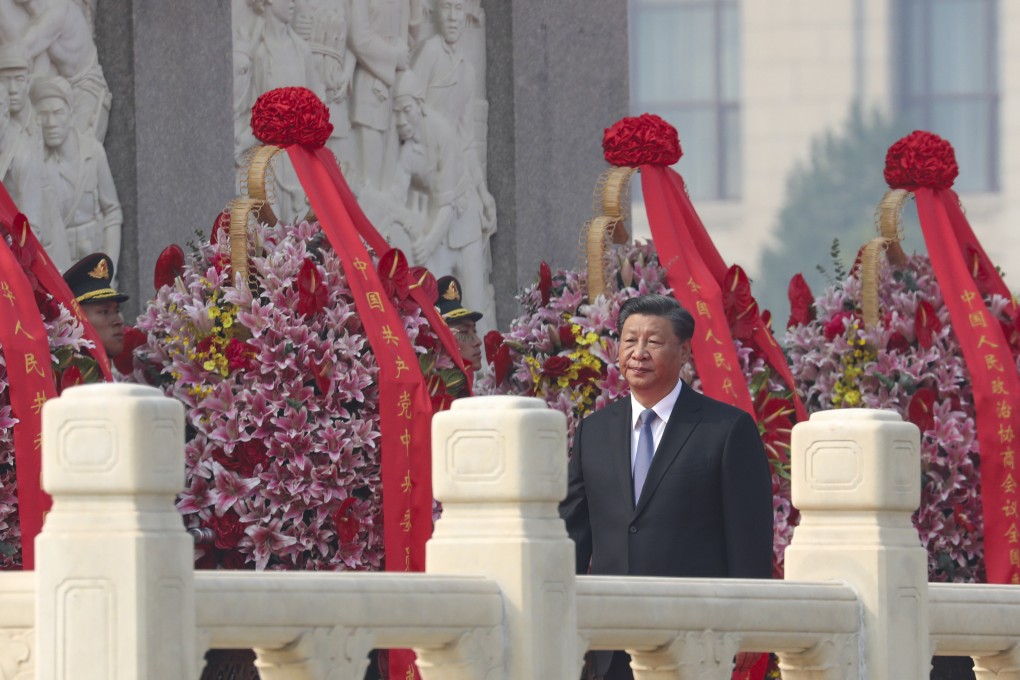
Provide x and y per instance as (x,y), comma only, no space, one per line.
(910,362)
(71,365)
(280,385)
(563,349)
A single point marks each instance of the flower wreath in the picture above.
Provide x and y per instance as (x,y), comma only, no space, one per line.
(282,399)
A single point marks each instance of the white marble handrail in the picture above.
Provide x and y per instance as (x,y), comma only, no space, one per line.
(647,613)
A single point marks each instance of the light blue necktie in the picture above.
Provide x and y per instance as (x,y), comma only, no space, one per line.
(645,451)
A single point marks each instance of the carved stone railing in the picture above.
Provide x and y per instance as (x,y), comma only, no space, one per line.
(115,594)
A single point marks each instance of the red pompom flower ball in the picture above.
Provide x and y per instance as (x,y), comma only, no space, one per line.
(291,115)
(642,140)
(921,159)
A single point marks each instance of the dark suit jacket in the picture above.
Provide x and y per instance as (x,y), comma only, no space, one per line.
(706,507)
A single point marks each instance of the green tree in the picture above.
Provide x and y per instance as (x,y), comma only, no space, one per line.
(830,196)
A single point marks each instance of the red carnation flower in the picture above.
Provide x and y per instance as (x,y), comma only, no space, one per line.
(897,343)
(555,367)
(802,302)
(169,265)
(921,159)
(228,529)
(239,354)
(642,140)
(836,325)
(232,559)
(291,115)
(229,461)
(249,456)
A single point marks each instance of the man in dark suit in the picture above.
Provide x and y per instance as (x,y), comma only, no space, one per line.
(666,482)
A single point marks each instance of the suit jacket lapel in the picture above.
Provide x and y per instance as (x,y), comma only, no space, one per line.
(620,430)
(685,417)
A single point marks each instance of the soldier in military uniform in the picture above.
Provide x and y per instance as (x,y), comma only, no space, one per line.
(461,321)
(91,283)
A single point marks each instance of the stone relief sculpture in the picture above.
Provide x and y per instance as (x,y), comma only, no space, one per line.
(50,43)
(325,25)
(78,174)
(426,192)
(450,238)
(57,39)
(22,173)
(279,57)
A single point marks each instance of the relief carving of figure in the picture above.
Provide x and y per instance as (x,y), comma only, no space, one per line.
(14,76)
(381,36)
(325,26)
(276,56)
(57,39)
(78,173)
(450,238)
(22,173)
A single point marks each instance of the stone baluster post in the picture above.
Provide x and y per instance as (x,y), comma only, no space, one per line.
(114,564)
(856,481)
(499,468)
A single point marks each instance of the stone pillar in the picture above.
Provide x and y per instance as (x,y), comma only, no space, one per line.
(498,467)
(557,76)
(856,481)
(114,578)
(170,141)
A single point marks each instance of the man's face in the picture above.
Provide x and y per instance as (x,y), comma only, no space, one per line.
(651,356)
(109,324)
(15,81)
(55,121)
(468,342)
(283,10)
(452,19)
(408,113)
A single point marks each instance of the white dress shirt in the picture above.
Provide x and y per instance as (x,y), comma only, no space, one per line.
(663,409)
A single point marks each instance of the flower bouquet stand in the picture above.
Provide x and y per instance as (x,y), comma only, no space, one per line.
(563,348)
(308,357)
(936,338)
(46,346)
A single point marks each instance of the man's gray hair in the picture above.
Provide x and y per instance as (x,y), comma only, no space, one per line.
(661,306)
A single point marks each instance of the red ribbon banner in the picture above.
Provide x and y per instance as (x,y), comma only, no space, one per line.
(49,276)
(377,243)
(404,403)
(26,350)
(698,291)
(692,227)
(993,374)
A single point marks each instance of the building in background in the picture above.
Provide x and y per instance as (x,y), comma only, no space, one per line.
(751,86)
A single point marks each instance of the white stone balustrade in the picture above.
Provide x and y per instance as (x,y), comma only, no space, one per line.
(115,595)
